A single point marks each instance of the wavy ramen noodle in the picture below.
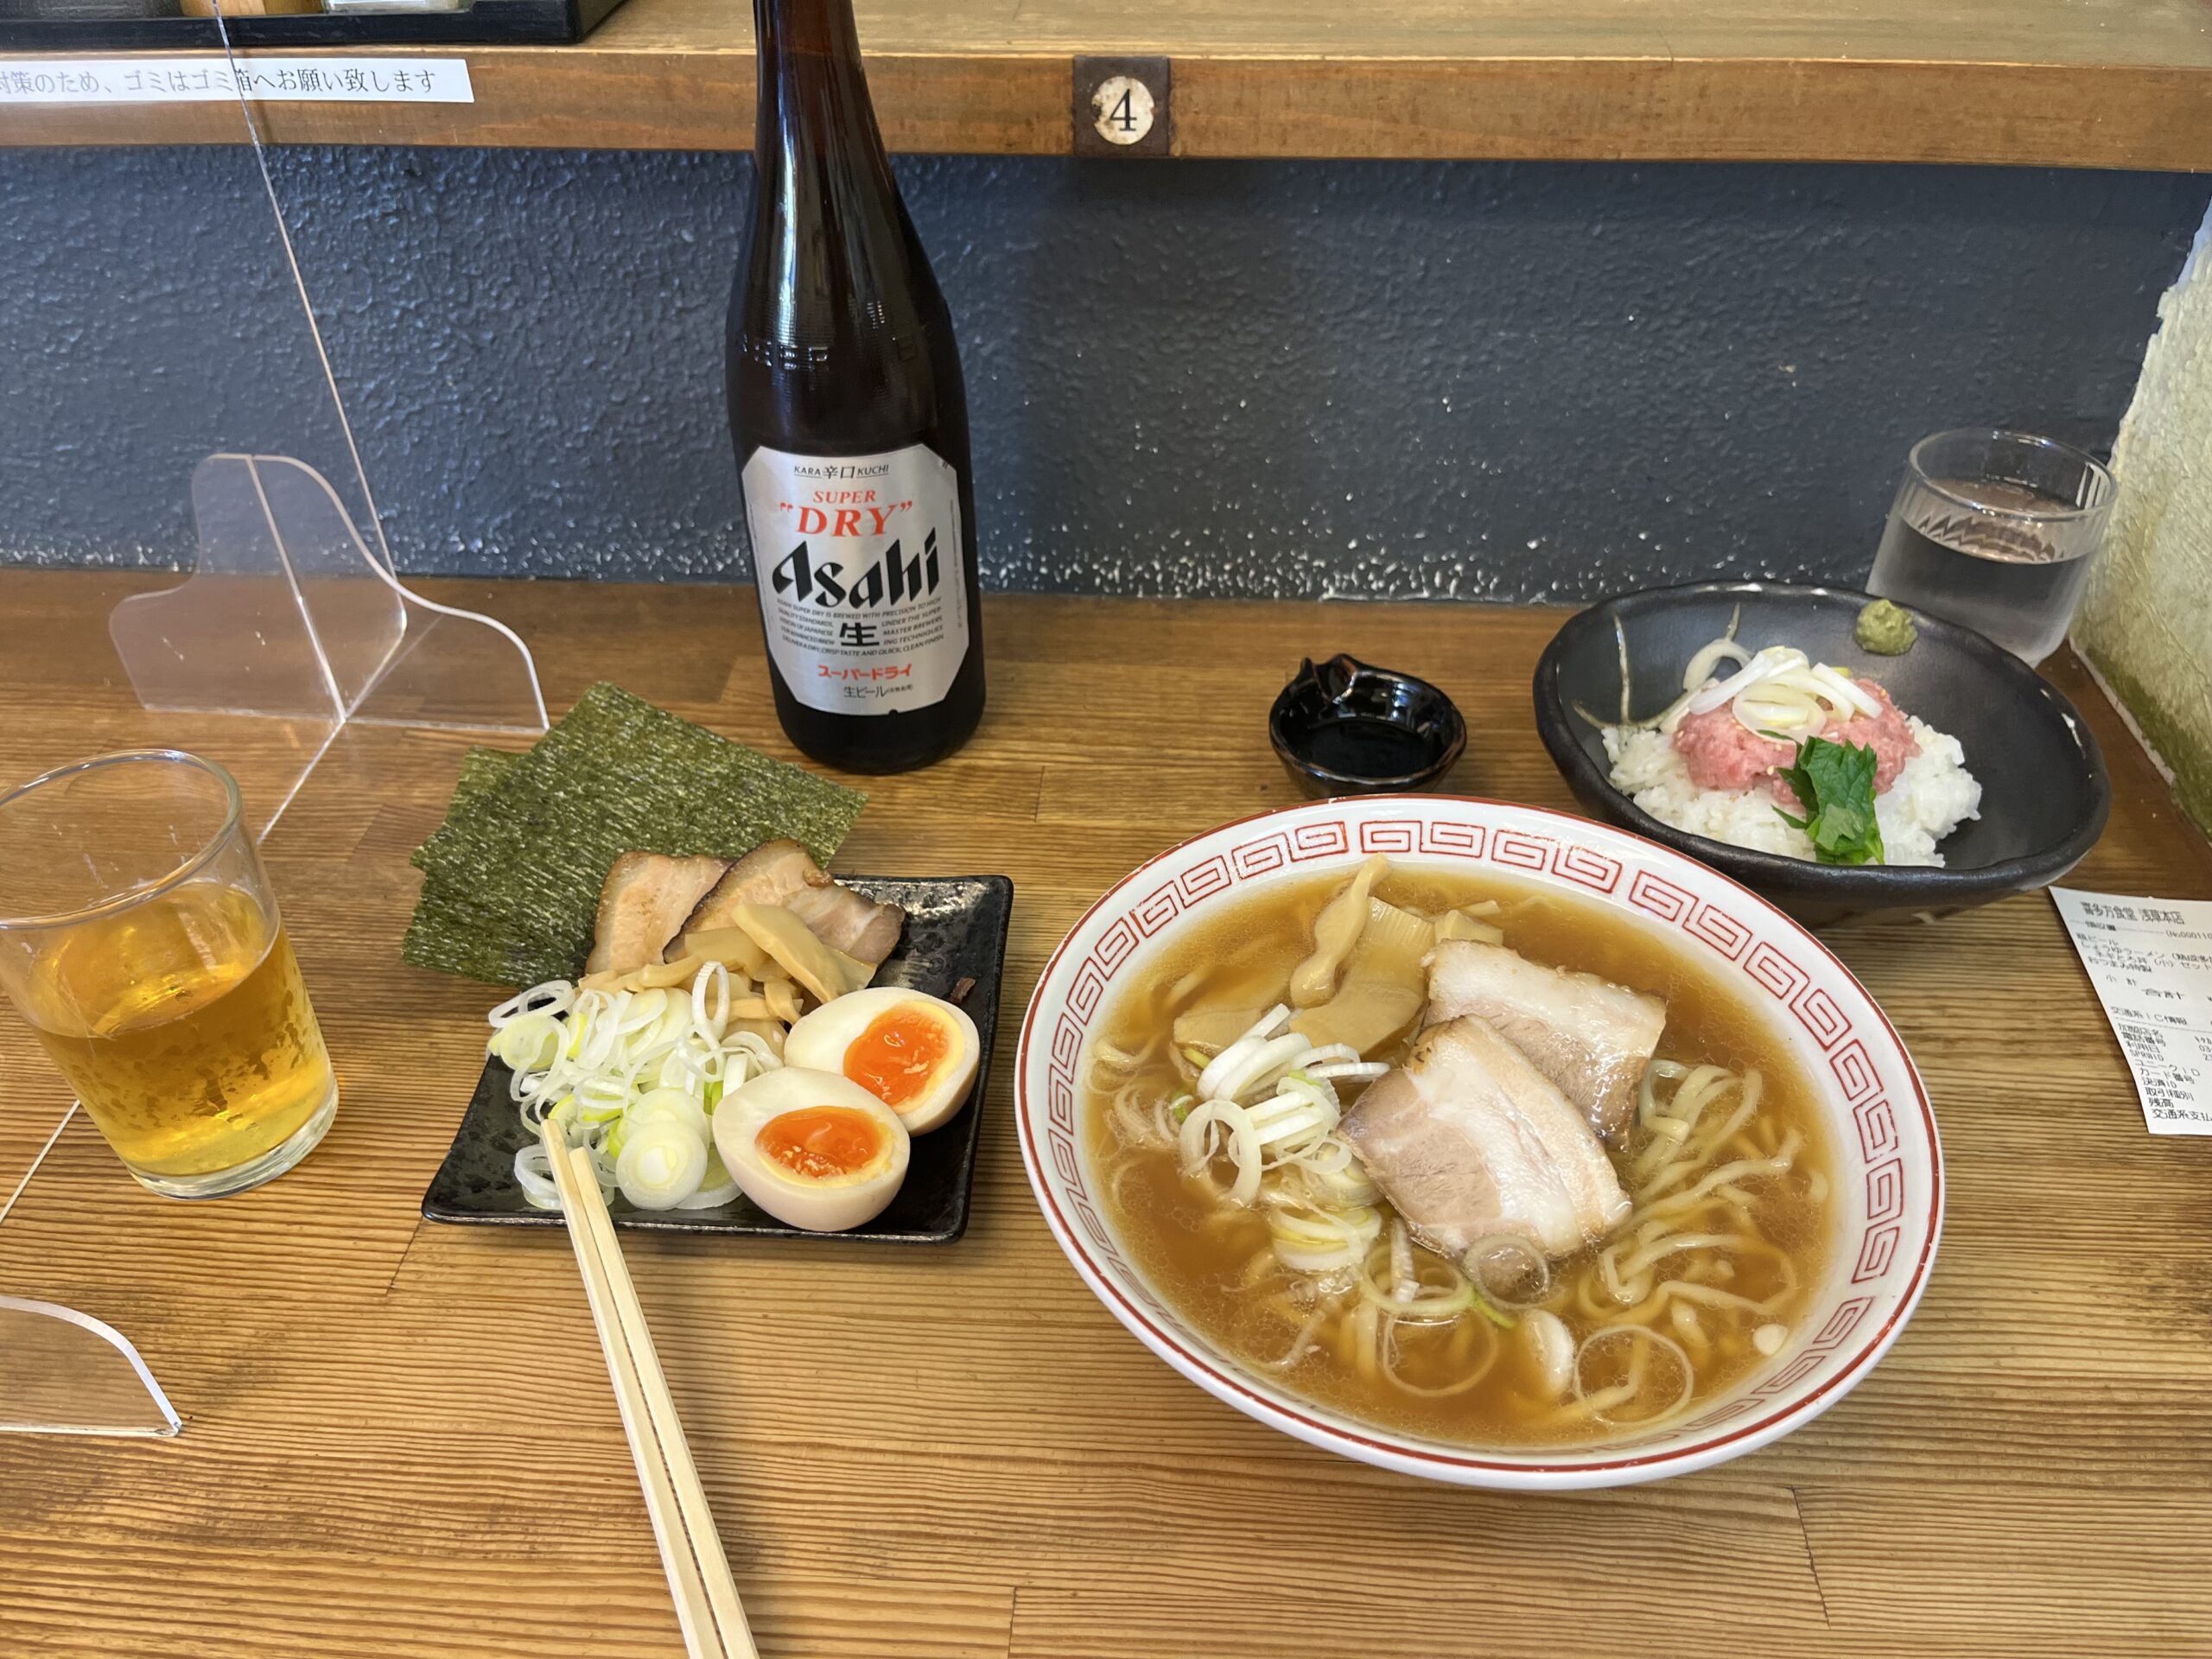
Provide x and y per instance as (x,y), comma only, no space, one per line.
(1652,1241)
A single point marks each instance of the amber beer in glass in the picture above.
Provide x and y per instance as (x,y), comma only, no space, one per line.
(140,940)
(850,424)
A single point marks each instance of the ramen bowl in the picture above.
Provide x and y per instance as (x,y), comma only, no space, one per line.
(1887,1193)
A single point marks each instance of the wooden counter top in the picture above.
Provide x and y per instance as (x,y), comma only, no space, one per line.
(399,1438)
(2058,83)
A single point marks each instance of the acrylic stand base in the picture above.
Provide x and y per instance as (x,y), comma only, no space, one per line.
(63,1372)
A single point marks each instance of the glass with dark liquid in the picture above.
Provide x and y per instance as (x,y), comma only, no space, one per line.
(1995,531)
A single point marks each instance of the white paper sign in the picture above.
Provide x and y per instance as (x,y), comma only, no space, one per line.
(2151,961)
(171,78)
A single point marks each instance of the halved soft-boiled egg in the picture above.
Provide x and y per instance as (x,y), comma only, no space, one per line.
(913,1051)
(811,1148)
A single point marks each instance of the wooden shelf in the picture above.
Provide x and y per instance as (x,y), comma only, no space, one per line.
(2065,83)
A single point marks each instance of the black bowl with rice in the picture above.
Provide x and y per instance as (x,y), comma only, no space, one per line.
(2004,783)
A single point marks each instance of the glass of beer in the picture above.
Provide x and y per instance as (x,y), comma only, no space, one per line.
(139,936)
(1996,531)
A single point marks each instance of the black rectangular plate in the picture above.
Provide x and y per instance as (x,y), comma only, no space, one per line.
(956,930)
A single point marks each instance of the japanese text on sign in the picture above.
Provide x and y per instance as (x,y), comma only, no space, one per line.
(2151,961)
(171,79)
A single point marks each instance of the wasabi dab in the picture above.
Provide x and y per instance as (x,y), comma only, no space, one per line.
(1885,629)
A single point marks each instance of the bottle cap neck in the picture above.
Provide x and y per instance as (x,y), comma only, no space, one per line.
(813,29)
(812,91)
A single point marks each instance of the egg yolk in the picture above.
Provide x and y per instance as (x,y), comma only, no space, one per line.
(893,1058)
(820,1142)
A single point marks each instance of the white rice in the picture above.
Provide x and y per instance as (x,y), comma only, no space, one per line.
(1933,796)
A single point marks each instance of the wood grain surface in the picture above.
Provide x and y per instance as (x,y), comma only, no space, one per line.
(2060,83)
(920,1452)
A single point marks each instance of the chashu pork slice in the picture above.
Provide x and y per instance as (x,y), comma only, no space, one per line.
(1468,1141)
(1591,1037)
(642,904)
(780,873)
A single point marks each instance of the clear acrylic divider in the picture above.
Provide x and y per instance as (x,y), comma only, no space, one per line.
(395,658)
(239,636)
(291,623)
(289,614)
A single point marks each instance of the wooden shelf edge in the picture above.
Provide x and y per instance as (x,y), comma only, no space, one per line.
(1625,108)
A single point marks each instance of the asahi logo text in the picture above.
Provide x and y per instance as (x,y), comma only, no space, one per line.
(863,598)
(890,579)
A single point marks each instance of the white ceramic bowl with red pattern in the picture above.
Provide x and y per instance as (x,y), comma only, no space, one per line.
(1888,1194)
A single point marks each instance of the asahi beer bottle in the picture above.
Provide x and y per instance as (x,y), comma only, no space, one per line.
(850,424)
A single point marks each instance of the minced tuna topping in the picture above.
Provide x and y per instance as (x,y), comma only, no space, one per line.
(1722,752)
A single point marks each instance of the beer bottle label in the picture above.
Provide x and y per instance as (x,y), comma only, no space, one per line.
(863,589)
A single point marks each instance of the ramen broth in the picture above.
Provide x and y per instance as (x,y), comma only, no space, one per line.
(1481,1379)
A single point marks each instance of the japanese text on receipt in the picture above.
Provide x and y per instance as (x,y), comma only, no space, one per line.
(2151,961)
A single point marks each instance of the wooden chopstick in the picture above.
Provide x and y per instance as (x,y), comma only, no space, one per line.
(685,1586)
(706,1604)
(676,1451)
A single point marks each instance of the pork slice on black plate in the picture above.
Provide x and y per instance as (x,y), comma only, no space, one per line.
(780,873)
(643,902)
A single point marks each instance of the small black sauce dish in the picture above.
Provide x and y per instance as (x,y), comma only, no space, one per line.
(1346,727)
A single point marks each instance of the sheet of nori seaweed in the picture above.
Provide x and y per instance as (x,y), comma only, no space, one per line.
(448,917)
(484,772)
(512,876)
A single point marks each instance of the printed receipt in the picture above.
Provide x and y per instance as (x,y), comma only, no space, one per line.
(2151,961)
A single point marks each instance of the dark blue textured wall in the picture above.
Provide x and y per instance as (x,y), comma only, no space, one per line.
(1373,379)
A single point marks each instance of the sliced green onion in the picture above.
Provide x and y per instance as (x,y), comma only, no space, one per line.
(629,1077)
(675,1103)
(1490,1310)
(714,1188)
(529,1042)
(662,1164)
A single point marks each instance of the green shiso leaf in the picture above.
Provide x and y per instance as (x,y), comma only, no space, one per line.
(512,878)
(1836,783)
